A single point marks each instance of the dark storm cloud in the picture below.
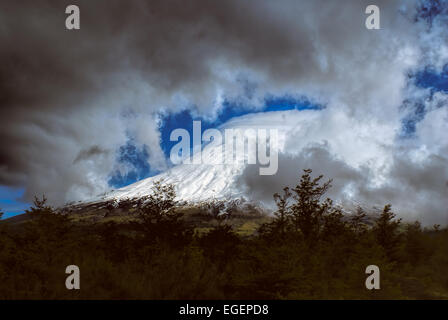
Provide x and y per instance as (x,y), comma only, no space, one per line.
(290,168)
(90,153)
(417,191)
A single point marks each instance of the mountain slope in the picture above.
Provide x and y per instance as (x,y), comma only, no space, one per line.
(199,182)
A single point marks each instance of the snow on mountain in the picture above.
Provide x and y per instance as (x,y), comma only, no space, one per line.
(199,182)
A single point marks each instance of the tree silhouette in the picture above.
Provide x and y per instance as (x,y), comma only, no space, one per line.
(308,209)
(220,244)
(40,207)
(157,258)
(283,210)
(302,212)
(160,204)
(356,221)
(386,231)
(414,244)
(159,218)
(47,227)
(334,226)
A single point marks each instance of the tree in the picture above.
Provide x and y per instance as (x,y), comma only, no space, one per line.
(334,226)
(40,207)
(220,244)
(158,215)
(46,216)
(279,228)
(386,231)
(47,229)
(308,210)
(160,204)
(415,243)
(283,211)
(356,221)
(307,215)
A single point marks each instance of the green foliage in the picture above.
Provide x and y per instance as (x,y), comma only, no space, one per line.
(46,223)
(308,211)
(303,212)
(160,205)
(386,231)
(357,222)
(309,250)
(160,221)
(220,245)
(283,213)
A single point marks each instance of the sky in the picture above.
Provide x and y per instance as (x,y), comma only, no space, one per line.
(84,111)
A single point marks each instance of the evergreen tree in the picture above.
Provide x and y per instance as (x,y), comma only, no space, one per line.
(386,231)
(47,229)
(40,207)
(334,226)
(47,219)
(414,243)
(356,222)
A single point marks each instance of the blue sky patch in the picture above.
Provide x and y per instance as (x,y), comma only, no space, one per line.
(10,202)
(430,9)
(185,118)
(134,157)
(427,78)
